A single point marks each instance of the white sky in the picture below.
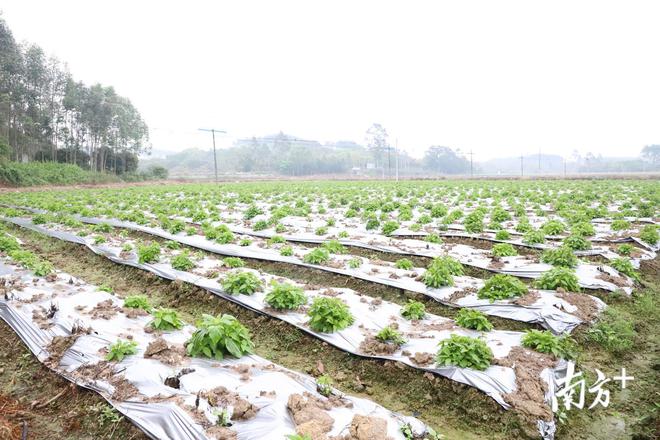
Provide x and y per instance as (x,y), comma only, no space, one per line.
(499,77)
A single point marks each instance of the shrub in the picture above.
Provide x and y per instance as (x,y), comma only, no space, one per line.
(562,256)
(241,283)
(553,227)
(285,296)
(329,315)
(413,310)
(559,277)
(118,350)
(372,223)
(502,235)
(182,262)
(286,251)
(502,286)
(148,253)
(615,332)
(317,256)
(389,227)
(649,234)
(334,247)
(464,352)
(545,342)
(217,336)
(233,262)
(474,223)
(577,243)
(8,243)
(166,319)
(534,237)
(473,319)
(624,266)
(403,263)
(32,262)
(390,335)
(503,250)
(137,302)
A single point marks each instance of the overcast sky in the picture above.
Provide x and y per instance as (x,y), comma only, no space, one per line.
(498,77)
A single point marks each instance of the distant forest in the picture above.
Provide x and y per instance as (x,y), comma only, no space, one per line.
(48,116)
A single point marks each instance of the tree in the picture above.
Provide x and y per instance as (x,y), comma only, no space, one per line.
(444,160)
(376,140)
(651,153)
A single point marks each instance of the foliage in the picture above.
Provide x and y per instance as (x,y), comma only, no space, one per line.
(624,266)
(137,302)
(534,237)
(502,235)
(233,262)
(285,296)
(317,256)
(389,227)
(625,249)
(31,261)
(390,335)
(241,283)
(403,263)
(450,264)
(502,286)
(559,277)
(148,253)
(474,222)
(218,336)
(649,234)
(118,350)
(166,319)
(334,247)
(614,331)
(553,227)
(329,315)
(182,262)
(464,352)
(355,262)
(413,310)
(545,342)
(38,173)
(503,250)
(433,238)
(286,251)
(562,256)
(577,243)
(438,276)
(324,385)
(473,319)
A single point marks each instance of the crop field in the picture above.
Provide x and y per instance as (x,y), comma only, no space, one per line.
(333,310)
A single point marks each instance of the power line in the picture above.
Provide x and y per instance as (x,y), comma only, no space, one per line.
(215,159)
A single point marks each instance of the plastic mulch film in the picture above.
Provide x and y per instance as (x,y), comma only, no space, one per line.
(547,308)
(264,400)
(371,314)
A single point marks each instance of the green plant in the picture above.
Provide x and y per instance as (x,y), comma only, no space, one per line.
(217,336)
(577,243)
(501,286)
(8,243)
(118,350)
(389,227)
(438,276)
(562,256)
(553,227)
(137,302)
(99,239)
(102,227)
(625,249)
(413,310)
(464,352)
(323,230)
(285,296)
(166,319)
(473,319)
(534,237)
(182,262)
(105,288)
(403,263)
(148,253)
(559,277)
(299,437)
(172,245)
(502,235)
(649,234)
(474,222)
(390,335)
(233,262)
(317,256)
(433,238)
(624,266)
(545,342)
(324,385)
(584,229)
(276,239)
(286,251)
(620,224)
(355,262)
(329,315)
(334,247)
(241,283)
(614,331)
(32,262)
(343,234)
(245,242)
(260,225)
(452,265)
(503,250)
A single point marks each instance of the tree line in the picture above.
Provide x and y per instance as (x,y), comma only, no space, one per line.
(48,116)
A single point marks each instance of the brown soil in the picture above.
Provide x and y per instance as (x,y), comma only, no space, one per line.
(57,347)
(104,310)
(438,326)
(133,313)
(124,390)
(368,428)
(587,310)
(528,299)
(160,350)
(221,433)
(222,397)
(374,347)
(310,416)
(422,359)
(529,397)
(461,294)
(616,280)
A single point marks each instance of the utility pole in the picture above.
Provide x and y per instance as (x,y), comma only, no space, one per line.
(471,168)
(215,159)
(539,160)
(564,168)
(396,158)
(521,165)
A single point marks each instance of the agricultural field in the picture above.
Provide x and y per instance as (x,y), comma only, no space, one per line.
(336,310)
